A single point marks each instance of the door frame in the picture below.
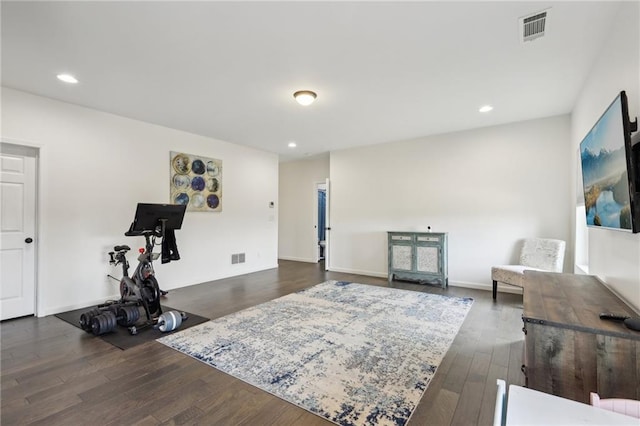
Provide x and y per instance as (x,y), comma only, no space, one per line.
(327,224)
(318,186)
(35,150)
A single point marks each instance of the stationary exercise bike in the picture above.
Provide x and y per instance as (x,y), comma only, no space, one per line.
(141,289)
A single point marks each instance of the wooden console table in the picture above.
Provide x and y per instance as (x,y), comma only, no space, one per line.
(569,350)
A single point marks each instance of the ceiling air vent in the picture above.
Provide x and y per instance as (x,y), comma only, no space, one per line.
(533,26)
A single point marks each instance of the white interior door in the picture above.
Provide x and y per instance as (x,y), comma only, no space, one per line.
(17,231)
(327,221)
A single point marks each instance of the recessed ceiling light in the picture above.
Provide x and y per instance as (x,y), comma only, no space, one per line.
(67,78)
(305,97)
(292,145)
(485,108)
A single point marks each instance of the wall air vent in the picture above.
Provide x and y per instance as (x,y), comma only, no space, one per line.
(533,26)
(237,258)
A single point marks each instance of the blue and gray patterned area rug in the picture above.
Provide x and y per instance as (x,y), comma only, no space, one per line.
(354,354)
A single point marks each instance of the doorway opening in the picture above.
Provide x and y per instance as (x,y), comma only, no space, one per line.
(321,225)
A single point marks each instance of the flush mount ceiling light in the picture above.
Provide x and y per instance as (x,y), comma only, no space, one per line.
(305,97)
(485,108)
(67,78)
(292,145)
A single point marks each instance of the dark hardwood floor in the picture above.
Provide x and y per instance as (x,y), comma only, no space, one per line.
(56,374)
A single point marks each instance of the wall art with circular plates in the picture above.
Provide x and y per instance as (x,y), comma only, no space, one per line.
(196,182)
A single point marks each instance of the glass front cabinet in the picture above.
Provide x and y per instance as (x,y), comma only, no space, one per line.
(418,256)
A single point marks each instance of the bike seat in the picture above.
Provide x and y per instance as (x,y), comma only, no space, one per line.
(122,248)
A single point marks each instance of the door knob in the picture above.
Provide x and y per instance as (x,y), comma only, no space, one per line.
(28,240)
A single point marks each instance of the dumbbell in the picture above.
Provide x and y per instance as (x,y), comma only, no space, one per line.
(170,321)
(100,322)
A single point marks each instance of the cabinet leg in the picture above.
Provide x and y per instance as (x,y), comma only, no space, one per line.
(495,289)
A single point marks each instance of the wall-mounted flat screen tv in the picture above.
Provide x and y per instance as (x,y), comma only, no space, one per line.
(608,171)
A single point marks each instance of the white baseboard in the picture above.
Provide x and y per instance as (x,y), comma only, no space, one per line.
(463,284)
(581,269)
(358,272)
(59,309)
(298,259)
(486,287)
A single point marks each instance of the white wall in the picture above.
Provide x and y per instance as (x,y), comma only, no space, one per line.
(613,255)
(95,167)
(297,232)
(488,188)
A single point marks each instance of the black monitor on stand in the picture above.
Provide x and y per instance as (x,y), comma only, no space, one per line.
(150,217)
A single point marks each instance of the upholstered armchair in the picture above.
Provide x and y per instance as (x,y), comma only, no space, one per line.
(538,254)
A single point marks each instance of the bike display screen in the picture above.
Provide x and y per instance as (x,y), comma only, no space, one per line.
(150,216)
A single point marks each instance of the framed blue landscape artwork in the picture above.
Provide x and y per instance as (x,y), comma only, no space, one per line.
(604,172)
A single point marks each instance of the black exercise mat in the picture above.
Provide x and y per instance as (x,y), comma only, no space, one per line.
(121,338)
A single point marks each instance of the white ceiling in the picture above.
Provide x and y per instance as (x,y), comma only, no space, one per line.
(383,71)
